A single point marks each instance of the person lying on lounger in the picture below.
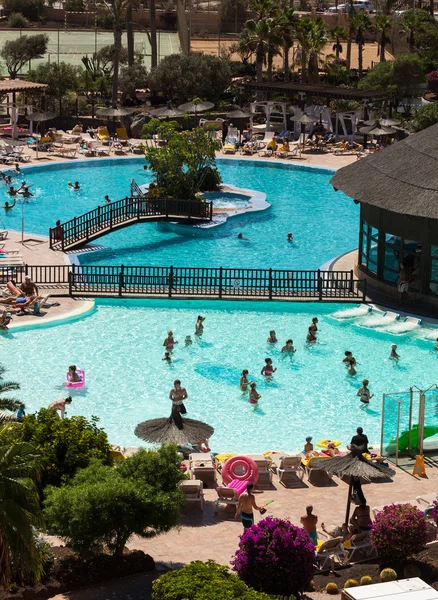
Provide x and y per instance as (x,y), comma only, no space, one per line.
(22,302)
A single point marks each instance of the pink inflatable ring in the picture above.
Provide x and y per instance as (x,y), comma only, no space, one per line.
(76,384)
(250,470)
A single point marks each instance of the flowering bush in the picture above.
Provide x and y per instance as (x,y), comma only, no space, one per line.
(432,81)
(275,557)
(399,531)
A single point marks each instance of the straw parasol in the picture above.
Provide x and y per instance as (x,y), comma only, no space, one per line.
(166,430)
(166,112)
(195,106)
(353,464)
(114,113)
(238,114)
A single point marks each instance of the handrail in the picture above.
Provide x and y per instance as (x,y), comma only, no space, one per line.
(210,282)
(123,212)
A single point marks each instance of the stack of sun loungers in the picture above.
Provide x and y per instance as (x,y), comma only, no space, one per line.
(201,467)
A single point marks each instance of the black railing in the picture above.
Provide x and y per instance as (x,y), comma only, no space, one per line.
(184,282)
(104,219)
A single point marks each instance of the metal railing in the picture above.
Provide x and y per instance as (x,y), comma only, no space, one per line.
(183,282)
(121,213)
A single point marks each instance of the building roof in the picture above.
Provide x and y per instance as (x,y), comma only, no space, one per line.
(19,85)
(403,178)
(321,90)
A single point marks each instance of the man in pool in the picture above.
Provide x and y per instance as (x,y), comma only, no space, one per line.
(107,199)
(60,405)
(24,191)
(8,206)
(245,507)
(309,522)
(178,394)
(240,236)
(199,327)
(12,191)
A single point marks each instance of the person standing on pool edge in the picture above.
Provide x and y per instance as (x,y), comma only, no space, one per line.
(245,507)
(199,328)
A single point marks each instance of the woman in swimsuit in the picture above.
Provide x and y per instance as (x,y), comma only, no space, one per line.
(199,328)
(289,347)
(268,369)
(169,342)
(272,339)
(364,392)
(314,326)
(254,396)
(311,337)
(350,362)
(244,381)
(74,377)
(178,394)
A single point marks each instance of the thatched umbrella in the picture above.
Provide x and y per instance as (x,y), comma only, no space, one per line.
(114,113)
(166,430)
(166,112)
(238,114)
(353,464)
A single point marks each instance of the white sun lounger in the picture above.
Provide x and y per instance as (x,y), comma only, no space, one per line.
(329,551)
(193,491)
(427,498)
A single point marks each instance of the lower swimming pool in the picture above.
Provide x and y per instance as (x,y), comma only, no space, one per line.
(120,348)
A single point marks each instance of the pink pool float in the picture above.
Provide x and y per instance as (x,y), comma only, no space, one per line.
(76,384)
(240,468)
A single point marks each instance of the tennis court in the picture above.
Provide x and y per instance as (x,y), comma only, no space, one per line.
(71,45)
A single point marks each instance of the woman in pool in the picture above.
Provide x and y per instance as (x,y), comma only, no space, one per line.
(268,369)
(314,326)
(288,348)
(254,396)
(199,327)
(74,376)
(350,362)
(8,206)
(311,337)
(169,342)
(272,339)
(244,383)
(364,393)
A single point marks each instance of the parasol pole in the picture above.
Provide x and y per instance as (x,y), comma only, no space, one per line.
(350,490)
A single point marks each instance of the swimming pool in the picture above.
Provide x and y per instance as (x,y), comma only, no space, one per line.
(120,348)
(324,223)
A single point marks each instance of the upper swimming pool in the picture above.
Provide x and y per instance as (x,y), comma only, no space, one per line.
(324,223)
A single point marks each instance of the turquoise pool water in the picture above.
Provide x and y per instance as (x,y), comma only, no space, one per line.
(120,348)
(324,223)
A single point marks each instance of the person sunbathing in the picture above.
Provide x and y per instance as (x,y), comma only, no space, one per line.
(22,302)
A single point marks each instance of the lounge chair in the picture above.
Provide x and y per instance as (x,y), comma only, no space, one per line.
(103,135)
(201,467)
(122,136)
(290,464)
(3,234)
(427,498)
(230,145)
(62,151)
(193,491)
(329,551)
(316,476)
(360,543)
(226,495)
(263,464)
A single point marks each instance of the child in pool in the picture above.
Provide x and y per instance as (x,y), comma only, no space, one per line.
(394,355)
(268,369)
(288,348)
(74,376)
(254,396)
(272,339)
(244,381)
(188,340)
(199,327)
(169,342)
(350,362)
(167,357)
(311,337)
(364,393)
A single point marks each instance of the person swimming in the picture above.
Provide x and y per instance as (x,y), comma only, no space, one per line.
(8,179)
(240,236)
(311,337)
(350,362)
(188,340)
(268,369)
(272,339)
(394,355)
(75,187)
(24,191)
(17,168)
(254,396)
(244,380)
(288,348)
(107,199)
(74,376)
(314,325)
(364,392)
(8,206)
(167,357)
(169,342)
(290,237)
(199,327)
(12,191)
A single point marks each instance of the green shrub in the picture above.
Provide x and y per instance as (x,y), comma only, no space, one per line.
(103,506)
(199,581)
(332,589)
(425,116)
(351,583)
(366,580)
(388,575)
(29,8)
(17,21)
(65,445)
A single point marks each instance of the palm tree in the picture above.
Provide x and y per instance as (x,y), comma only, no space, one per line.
(288,24)
(382,27)
(20,510)
(274,40)
(118,10)
(360,23)
(10,404)
(317,40)
(257,38)
(409,27)
(337,34)
(303,34)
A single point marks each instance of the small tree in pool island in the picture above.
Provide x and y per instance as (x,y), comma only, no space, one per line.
(185,166)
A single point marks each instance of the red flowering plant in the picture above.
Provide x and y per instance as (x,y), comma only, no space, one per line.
(275,557)
(399,531)
(432,81)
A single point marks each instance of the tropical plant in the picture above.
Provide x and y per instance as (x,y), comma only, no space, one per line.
(359,24)
(256,38)
(337,34)
(366,580)
(8,403)
(317,40)
(17,21)
(275,557)
(287,25)
(16,53)
(409,26)
(425,116)
(65,445)
(399,531)
(117,10)
(199,581)
(383,27)
(332,588)
(20,510)
(351,583)
(102,507)
(388,575)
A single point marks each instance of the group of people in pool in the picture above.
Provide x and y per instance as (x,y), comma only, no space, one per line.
(170,342)
(22,190)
